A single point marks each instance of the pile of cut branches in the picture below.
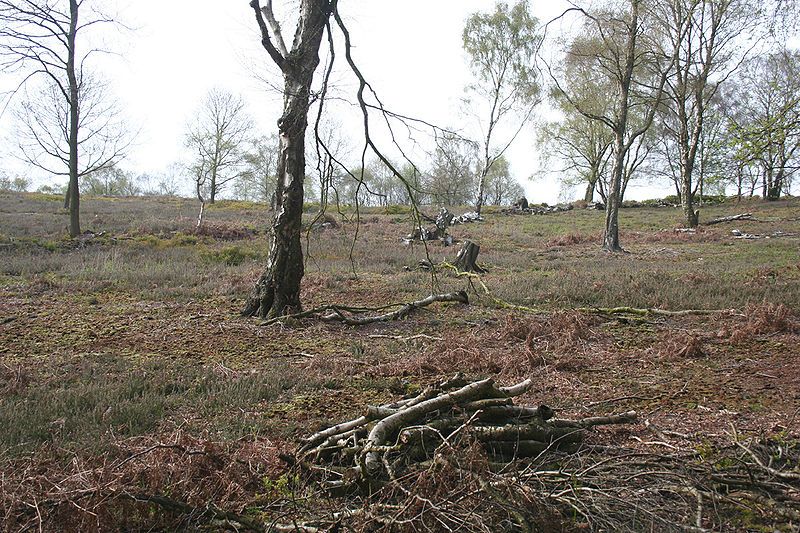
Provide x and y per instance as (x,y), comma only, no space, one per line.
(386,440)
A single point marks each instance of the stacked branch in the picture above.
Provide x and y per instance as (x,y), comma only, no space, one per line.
(386,440)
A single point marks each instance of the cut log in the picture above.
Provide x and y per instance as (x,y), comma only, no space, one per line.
(443,220)
(392,425)
(467,258)
(390,439)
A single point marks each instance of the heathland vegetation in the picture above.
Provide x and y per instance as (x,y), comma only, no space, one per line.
(129,376)
(272,355)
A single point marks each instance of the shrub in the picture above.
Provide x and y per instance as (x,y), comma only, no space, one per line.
(230,255)
(181,239)
(224,232)
(397,210)
(766,318)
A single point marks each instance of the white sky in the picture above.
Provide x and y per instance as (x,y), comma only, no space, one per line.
(410,51)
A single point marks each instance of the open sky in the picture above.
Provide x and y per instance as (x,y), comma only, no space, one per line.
(411,51)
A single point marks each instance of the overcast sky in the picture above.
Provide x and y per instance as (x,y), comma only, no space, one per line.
(411,51)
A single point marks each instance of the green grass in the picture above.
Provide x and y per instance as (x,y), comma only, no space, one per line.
(88,402)
(551,260)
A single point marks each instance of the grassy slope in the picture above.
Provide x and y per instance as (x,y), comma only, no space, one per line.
(132,338)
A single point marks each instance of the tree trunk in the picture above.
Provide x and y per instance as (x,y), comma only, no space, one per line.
(620,147)
(67,195)
(277,291)
(482,183)
(775,188)
(588,196)
(691,216)
(72,189)
(611,233)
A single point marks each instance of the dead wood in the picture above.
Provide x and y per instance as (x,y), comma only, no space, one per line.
(384,429)
(741,216)
(648,311)
(355,316)
(389,439)
(467,258)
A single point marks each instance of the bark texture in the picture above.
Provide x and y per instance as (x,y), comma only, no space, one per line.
(72,189)
(467,258)
(277,291)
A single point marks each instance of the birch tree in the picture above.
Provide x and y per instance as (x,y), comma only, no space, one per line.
(277,291)
(620,43)
(501,46)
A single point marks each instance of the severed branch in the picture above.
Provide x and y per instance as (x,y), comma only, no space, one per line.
(276,28)
(372,412)
(392,424)
(266,41)
(386,441)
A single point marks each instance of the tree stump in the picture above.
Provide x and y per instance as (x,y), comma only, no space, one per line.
(467,258)
(443,220)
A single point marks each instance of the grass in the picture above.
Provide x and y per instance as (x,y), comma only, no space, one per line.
(135,334)
(86,402)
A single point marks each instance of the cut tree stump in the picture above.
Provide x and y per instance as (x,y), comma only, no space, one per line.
(467,258)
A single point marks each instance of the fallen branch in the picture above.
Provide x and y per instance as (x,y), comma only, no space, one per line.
(647,312)
(352,316)
(741,216)
(392,424)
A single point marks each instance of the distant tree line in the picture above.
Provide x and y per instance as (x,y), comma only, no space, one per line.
(702,94)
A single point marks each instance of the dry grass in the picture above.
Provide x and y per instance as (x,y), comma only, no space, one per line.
(766,319)
(95,492)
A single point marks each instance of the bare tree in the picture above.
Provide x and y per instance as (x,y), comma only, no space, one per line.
(501,46)
(43,126)
(217,137)
(40,38)
(277,291)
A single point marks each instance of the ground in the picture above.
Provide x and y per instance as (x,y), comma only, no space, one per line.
(127,372)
